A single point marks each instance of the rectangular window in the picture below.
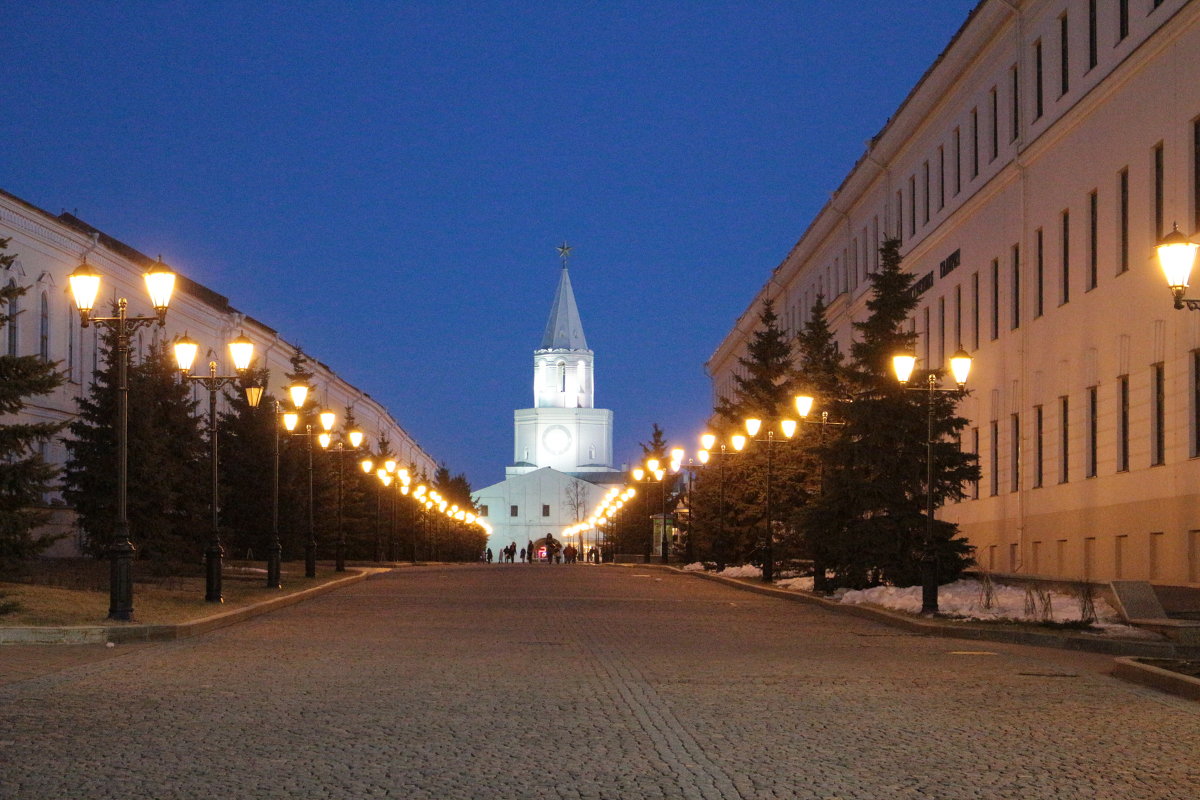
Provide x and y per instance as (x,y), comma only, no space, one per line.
(1093,54)
(1122,20)
(1093,254)
(1064,62)
(1065,293)
(957,161)
(1123,423)
(512,511)
(900,217)
(995,299)
(483,511)
(1123,224)
(995,98)
(1093,412)
(941,351)
(1064,439)
(1040,277)
(1014,462)
(1158,192)
(1039,447)
(975,448)
(994,460)
(925,197)
(1015,106)
(1158,442)
(928,336)
(1038,104)
(975,311)
(1016,287)
(912,205)
(974,142)
(1196,175)
(942,176)
(545,510)
(958,316)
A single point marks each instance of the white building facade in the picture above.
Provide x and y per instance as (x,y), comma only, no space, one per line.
(562,447)
(49,248)
(1029,175)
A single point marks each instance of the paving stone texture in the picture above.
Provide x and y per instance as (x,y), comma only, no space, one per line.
(637,684)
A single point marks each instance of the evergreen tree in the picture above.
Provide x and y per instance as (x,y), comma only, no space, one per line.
(876,493)
(766,387)
(247,452)
(24,476)
(168,507)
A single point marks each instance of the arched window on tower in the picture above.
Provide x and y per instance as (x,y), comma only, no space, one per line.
(562,376)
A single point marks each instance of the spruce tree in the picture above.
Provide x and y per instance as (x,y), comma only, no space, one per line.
(167,504)
(24,476)
(876,493)
(247,439)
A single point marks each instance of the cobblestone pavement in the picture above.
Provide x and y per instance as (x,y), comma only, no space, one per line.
(580,682)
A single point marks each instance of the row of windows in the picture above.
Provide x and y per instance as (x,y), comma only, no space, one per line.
(918,198)
(513,511)
(1059,556)
(1041,440)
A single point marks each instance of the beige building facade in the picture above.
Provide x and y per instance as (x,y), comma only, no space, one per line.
(1029,175)
(49,247)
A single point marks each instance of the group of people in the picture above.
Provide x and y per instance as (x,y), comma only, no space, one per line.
(552,552)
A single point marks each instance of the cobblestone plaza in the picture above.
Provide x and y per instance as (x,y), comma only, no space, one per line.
(517,681)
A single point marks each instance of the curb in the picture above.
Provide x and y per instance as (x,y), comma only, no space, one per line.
(1113,647)
(1134,671)
(121,634)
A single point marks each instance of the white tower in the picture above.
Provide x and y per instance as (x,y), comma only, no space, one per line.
(563,430)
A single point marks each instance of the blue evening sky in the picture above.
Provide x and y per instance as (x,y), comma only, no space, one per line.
(385,183)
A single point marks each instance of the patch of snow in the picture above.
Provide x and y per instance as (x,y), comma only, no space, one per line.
(747,571)
(803,584)
(695,566)
(965,599)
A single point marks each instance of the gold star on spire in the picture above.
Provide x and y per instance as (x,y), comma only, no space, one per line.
(564,252)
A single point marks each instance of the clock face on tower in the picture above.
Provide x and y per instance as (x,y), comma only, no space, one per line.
(556,440)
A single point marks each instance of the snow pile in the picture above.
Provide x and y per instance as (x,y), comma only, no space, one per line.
(803,584)
(695,566)
(965,599)
(747,571)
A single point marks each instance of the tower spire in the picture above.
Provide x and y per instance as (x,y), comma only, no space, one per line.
(564,330)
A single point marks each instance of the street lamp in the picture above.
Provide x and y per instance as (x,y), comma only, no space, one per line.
(349,442)
(85,285)
(960,367)
(242,351)
(804,405)
(708,443)
(651,473)
(1176,256)
(291,421)
(788,428)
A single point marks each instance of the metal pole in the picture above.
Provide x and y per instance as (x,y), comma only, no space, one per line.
(929,583)
(275,549)
(817,557)
(214,555)
(719,545)
(310,547)
(339,556)
(768,573)
(665,548)
(120,585)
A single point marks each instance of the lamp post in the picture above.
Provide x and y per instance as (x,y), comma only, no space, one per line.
(242,350)
(353,437)
(291,421)
(85,285)
(960,367)
(804,405)
(788,428)
(275,548)
(654,472)
(708,441)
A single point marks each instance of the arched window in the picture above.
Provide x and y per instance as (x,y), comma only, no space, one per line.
(14,308)
(562,376)
(71,334)
(44,328)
